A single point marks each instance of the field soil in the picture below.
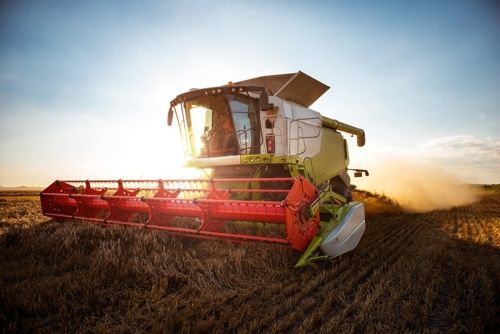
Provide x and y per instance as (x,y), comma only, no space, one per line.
(431,272)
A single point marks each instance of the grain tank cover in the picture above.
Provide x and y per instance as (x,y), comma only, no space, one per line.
(296,87)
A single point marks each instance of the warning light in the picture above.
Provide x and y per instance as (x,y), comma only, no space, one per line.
(270,143)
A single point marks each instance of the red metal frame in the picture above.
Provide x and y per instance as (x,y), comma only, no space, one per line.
(153,204)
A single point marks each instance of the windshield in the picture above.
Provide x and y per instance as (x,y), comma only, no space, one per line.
(222,125)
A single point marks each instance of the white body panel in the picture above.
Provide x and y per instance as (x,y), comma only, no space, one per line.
(297,129)
(346,235)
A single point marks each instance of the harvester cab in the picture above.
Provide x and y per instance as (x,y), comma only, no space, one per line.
(270,159)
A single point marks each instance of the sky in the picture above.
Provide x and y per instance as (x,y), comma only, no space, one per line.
(85,86)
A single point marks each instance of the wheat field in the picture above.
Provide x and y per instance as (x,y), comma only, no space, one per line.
(432,272)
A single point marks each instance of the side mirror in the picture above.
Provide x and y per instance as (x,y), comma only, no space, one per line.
(170,116)
(264,101)
(359,172)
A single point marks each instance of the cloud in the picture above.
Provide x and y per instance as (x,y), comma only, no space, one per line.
(473,159)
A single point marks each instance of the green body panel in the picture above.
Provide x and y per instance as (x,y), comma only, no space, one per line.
(332,159)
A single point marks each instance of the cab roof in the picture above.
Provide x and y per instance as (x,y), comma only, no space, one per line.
(296,87)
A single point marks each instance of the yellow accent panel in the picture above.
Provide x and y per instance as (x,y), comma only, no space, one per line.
(332,157)
(235,160)
(268,159)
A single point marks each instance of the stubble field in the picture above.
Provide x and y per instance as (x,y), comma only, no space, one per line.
(431,272)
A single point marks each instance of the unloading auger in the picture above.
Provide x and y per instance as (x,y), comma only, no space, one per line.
(278,173)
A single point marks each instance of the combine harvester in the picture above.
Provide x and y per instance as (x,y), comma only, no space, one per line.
(270,158)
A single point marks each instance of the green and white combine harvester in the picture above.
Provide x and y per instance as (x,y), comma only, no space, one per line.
(270,160)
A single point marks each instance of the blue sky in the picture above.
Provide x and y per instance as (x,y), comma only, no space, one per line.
(85,86)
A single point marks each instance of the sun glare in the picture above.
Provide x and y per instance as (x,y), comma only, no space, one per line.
(170,162)
(201,118)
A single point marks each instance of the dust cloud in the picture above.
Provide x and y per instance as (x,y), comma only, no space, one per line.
(418,186)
